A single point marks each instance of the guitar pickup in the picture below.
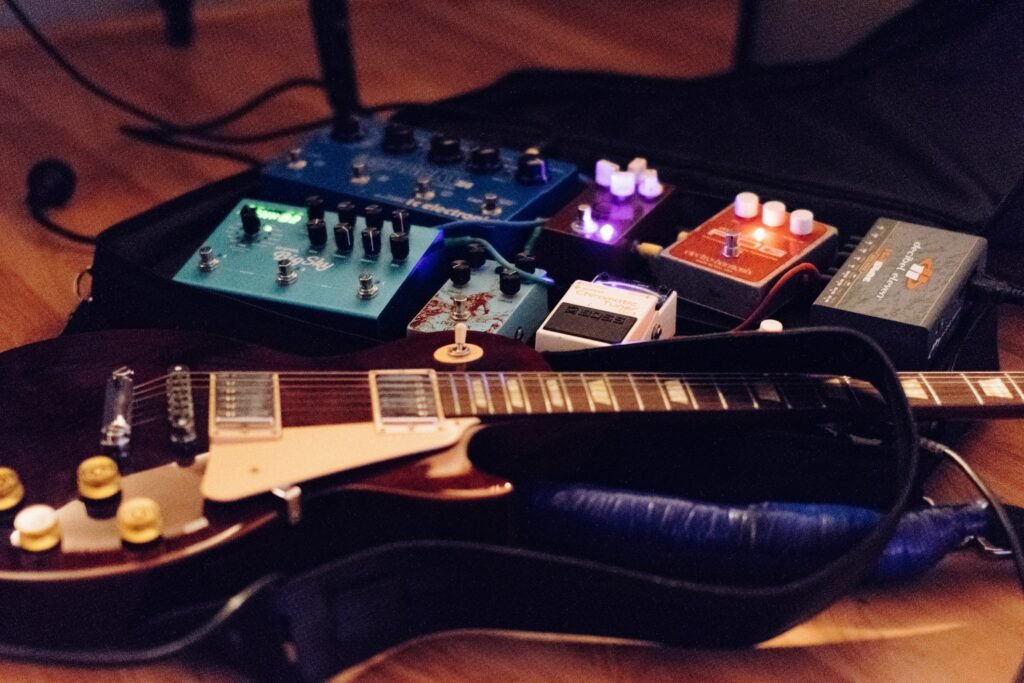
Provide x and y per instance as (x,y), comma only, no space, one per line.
(405,400)
(246,406)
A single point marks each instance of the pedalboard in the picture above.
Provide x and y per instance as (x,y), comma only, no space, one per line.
(337,267)
(595,230)
(731,261)
(606,312)
(488,298)
(436,177)
(904,286)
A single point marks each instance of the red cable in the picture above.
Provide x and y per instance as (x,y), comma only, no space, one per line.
(769,301)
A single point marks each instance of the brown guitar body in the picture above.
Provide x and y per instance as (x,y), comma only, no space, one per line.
(96,589)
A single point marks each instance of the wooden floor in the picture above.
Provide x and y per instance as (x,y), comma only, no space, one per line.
(964,621)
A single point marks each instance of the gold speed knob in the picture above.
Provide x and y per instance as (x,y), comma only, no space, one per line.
(98,478)
(11,489)
(139,520)
(37,528)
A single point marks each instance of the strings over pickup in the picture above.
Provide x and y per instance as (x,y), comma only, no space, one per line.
(246,406)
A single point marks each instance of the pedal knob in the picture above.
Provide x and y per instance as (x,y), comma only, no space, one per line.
(286,274)
(770,325)
(374,216)
(460,273)
(139,521)
(360,174)
(484,159)
(509,282)
(367,288)
(623,185)
(801,222)
(371,242)
(250,221)
(603,170)
(476,255)
(525,262)
(444,149)
(98,478)
(317,231)
(314,208)
(773,214)
(343,237)
(531,169)
(399,246)
(400,220)
(12,492)
(489,206)
(36,529)
(347,128)
(649,187)
(346,212)
(398,138)
(746,205)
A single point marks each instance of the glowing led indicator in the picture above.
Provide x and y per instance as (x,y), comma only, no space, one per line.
(759,234)
(589,226)
(607,232)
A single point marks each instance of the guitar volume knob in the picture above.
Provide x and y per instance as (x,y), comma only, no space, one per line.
(12,491)
(98,478)
(139,521)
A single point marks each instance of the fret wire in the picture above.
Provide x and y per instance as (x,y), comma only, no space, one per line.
(636,392)
(1015,386)
(611,392)
(692,394)
(973,390)
(586,392)
(525,393)
(504,391)
(750,393)
(470,398)
(721,397)
(565,393)
(664,395)
(782,394)
(928,386)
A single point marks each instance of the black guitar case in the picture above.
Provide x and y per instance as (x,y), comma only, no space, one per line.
(921,121)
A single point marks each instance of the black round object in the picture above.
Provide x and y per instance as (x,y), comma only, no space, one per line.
(398,138)
(476,255)
(531,170)
(444,149)
(374,216)
(314,207)
(347,128)
(317,231)
(371,241)
(51,182)
(400,220)
(250,220)
(526,263)
(484,159)
(346,212)
(343,237)
(399,245)
(460,272)
(509,282)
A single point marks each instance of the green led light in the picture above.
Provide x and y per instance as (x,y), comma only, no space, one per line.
(289,217)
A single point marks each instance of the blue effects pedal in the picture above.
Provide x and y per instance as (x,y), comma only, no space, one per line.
(433,176)
(487,299)
(351,272)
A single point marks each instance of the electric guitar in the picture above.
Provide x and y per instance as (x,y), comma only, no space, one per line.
(247,461)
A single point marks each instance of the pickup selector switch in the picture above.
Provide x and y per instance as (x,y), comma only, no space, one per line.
(398,138)
(444,149)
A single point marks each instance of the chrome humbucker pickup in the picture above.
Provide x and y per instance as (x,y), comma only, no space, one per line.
(405,400)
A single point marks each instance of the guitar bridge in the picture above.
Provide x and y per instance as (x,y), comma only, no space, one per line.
(405,400)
